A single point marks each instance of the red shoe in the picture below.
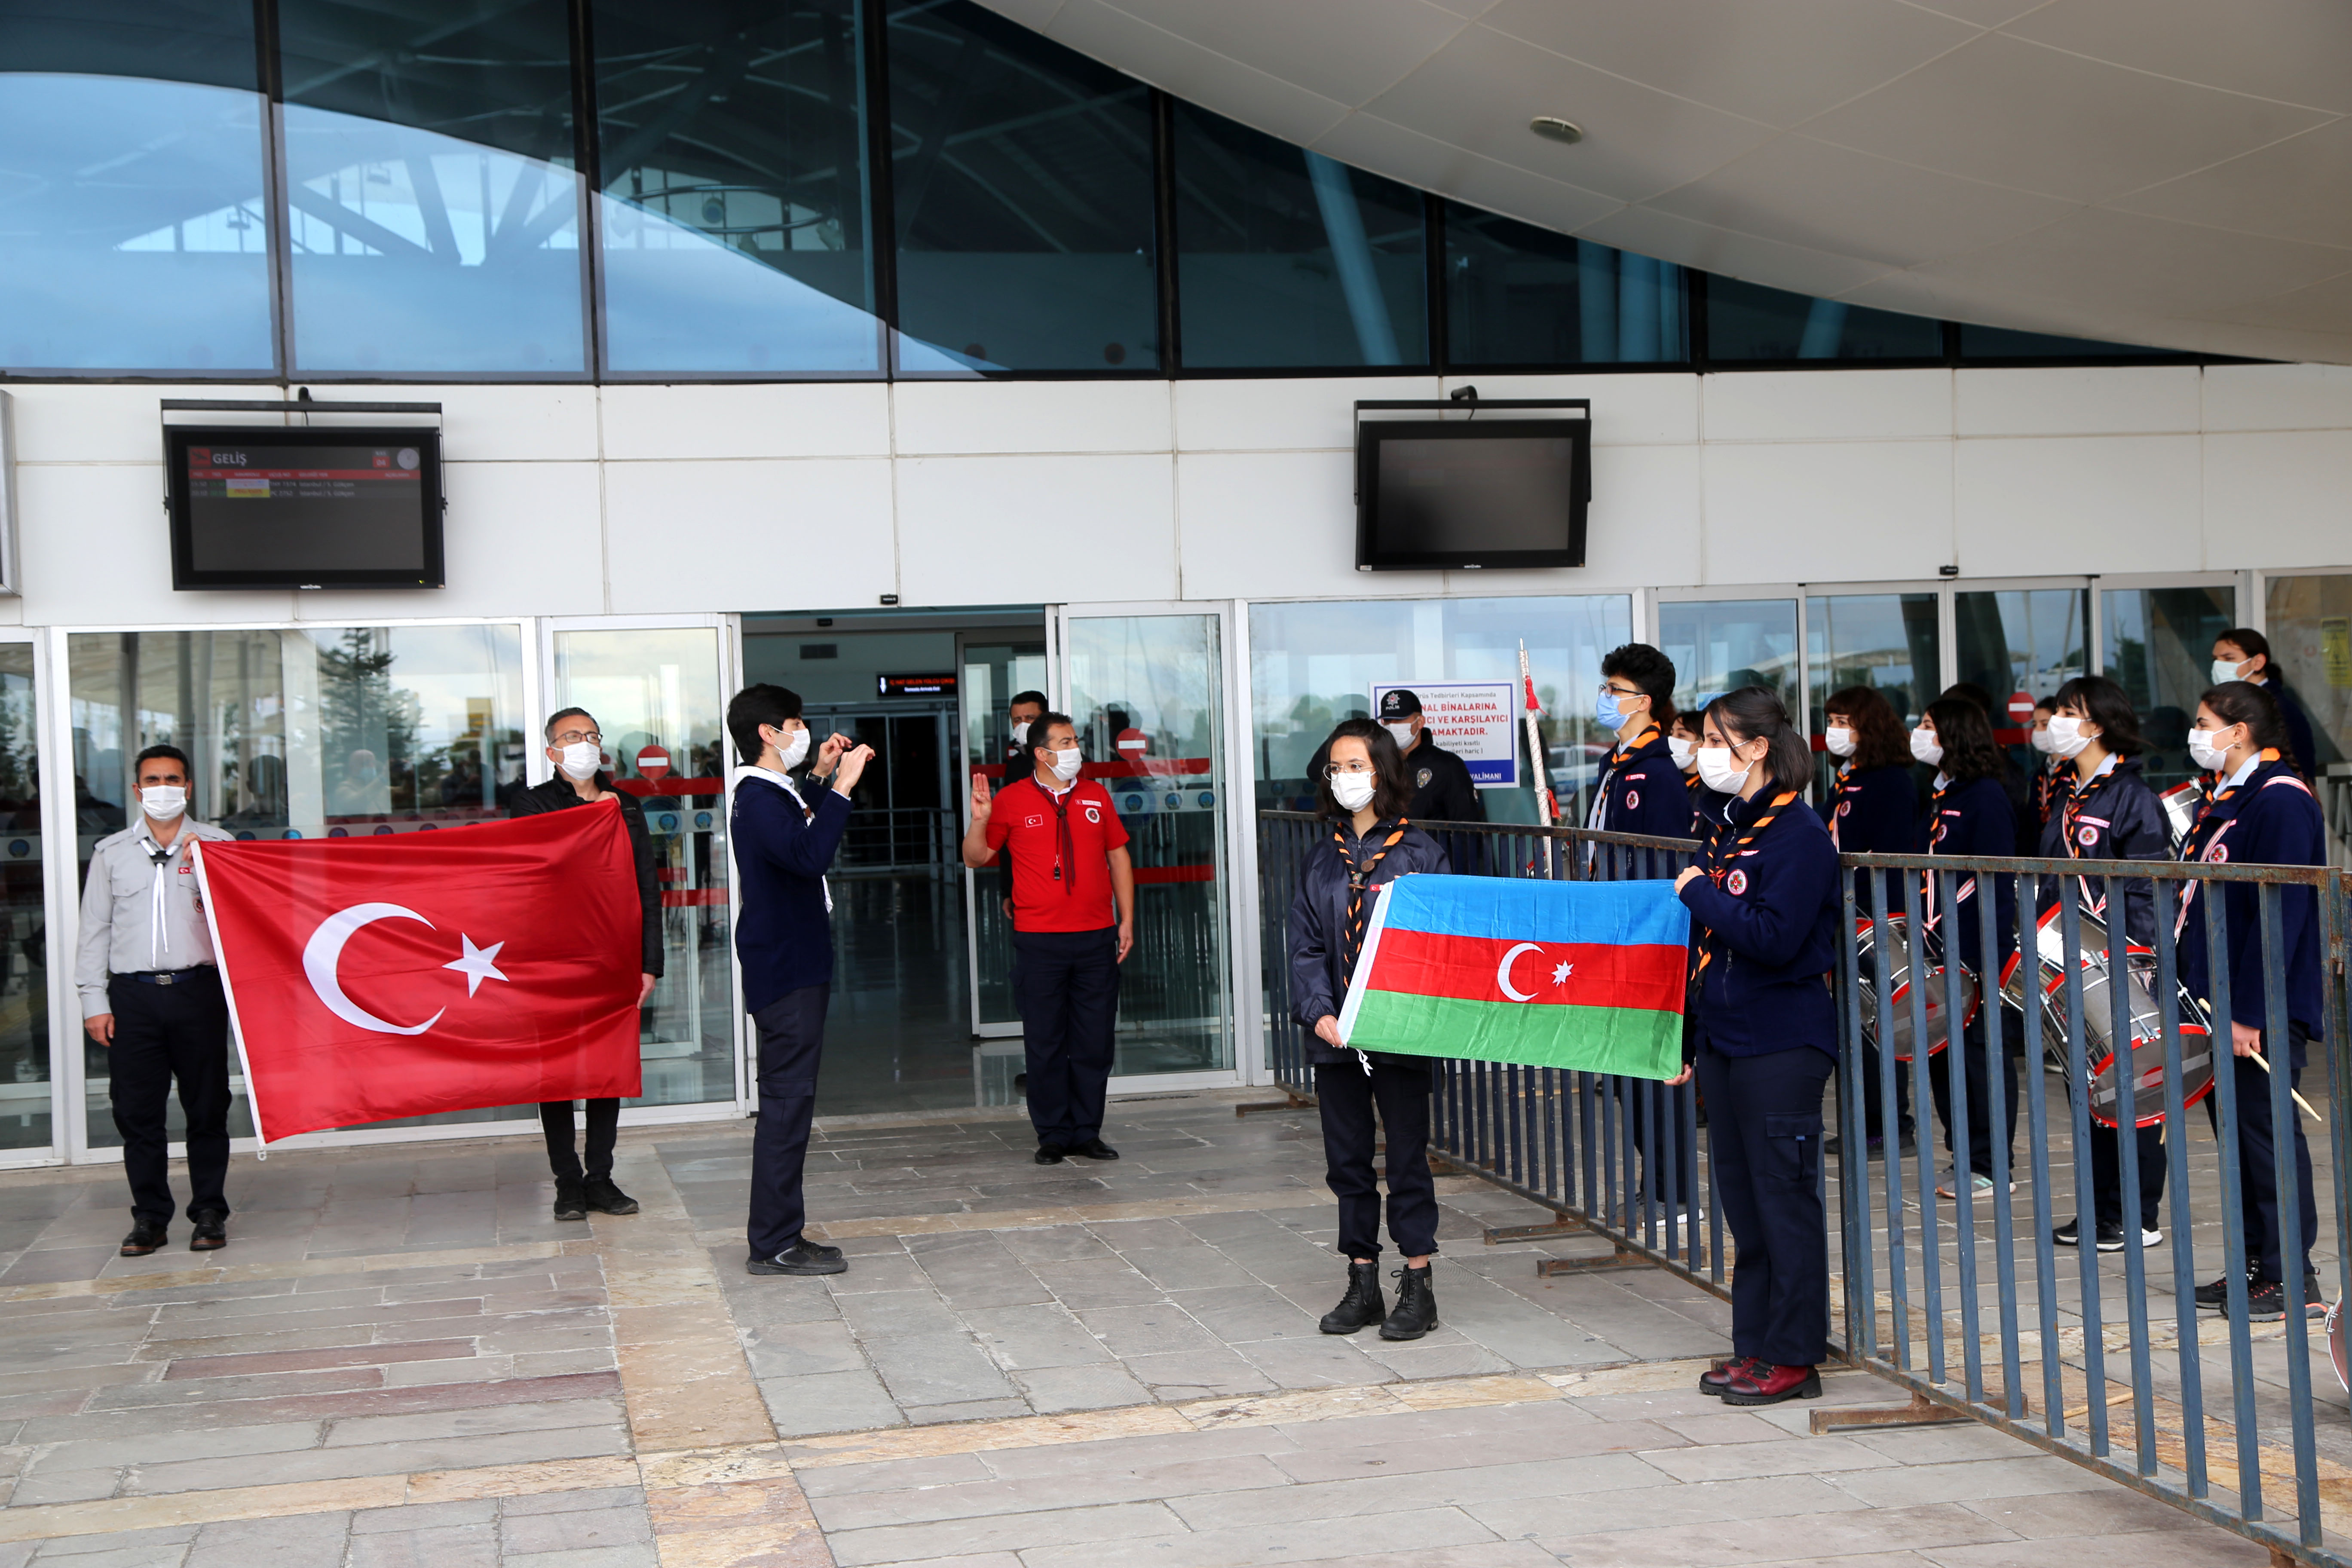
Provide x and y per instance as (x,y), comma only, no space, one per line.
(1712,1380)
(1762,1384)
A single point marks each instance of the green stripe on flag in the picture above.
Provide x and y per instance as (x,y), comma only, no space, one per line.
(1638,1042)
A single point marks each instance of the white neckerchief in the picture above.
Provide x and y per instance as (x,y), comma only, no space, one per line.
(158,935)
(784,782)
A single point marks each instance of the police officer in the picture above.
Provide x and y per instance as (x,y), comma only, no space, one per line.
(1442,790)
(1764,905)
(2244,654)
(151,993)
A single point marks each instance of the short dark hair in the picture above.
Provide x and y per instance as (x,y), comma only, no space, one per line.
(559,715)
(1878,738)
(1753,713)
(1964,730)
(2250,643)
(169,753)
(2108,706)
(1649,670)
(1391,794)
(755,706)
(1020,697)
(1043,725)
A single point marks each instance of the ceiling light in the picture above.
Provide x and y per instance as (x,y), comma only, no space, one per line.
(1557,128)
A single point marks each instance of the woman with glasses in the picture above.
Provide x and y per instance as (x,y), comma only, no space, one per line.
(1362,797)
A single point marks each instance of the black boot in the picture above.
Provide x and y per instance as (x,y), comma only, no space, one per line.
(1361,1307)
(1416,1308)
(570,1200)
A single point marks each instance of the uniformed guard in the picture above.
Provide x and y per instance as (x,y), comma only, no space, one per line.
(1442,787)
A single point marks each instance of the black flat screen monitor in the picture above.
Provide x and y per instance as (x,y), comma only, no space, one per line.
(261,507)
(1461,493)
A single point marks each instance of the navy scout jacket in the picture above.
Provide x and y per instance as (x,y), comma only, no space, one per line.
(2271,819)
(784,938)
(2300,749)
(1874,812)
(1319,923)
(1644,792)
(2115,817)
(1767,931)
(1972,818)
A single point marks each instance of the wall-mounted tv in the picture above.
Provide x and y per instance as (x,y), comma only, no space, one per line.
(267,507)
(1455,494)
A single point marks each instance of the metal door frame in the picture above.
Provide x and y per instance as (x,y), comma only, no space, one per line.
(960,781)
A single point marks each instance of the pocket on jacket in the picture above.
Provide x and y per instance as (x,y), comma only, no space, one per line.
(1793,1139)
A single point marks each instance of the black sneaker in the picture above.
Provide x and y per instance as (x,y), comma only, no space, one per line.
(2215,1297)
(803,1257)
(571,1201)
(599,1193)
(2266,1302)
(2071,1233)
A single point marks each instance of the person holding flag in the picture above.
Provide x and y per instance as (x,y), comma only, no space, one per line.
(1764,903)
(1362,794)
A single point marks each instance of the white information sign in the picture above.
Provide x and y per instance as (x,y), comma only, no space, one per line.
(1475,719)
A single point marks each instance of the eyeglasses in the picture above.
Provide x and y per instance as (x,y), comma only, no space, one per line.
(578,737)
(1609,690)
(1333,770)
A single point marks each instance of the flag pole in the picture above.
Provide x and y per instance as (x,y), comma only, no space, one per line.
(1547,808)
(235,1027)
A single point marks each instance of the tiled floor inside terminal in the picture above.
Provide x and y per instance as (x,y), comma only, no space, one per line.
(403,1359)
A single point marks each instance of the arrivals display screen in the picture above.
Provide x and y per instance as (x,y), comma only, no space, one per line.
(259,507)
(1462,493)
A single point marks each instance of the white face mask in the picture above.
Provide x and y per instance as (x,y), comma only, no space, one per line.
(1719,771)
(1065,764)
(2224,671)
(2066,737)
(1402,733)
(793,752)
(1681,750)
(1354,791)
(1838,741)
(1021,733)
(164,802)
(581,760)
(2041,738)
(1925,747)
(2206,755)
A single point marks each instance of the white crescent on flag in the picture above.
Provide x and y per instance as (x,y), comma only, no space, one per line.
(325,951)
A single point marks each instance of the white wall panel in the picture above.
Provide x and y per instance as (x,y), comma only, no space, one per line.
(1018,530)
(2278,398)
(2101,504)
(1646,410)
(809,533)
(1809,406)
(1276,414)
(2078,400)
(2278,500)
(958,417)
(64,422)
(1827,511)
(522,540)
(783,419)
(97,550)
(488,423)
(1277,525)
(1643,528)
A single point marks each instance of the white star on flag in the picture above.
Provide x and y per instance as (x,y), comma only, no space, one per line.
(1560,972)
(477,964)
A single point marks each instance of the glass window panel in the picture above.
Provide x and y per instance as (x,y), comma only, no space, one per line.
(1516,294)
(733,216)
(132,233)
(2309,622)
(2158,645)
(1021,189)
(1749,322)
(993,673)
(24,1069)
(2001,343)
(2029,640)
(1286,258)
(327,730)
(1885,641)
(1721,645)
(435,205)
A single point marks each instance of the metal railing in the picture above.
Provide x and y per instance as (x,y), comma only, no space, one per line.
(1968,1300)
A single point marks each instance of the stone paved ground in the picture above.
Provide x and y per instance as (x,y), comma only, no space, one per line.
(402,1360)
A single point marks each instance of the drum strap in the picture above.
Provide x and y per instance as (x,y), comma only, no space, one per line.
(1716,861)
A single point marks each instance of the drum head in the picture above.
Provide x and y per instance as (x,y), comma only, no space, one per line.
(2147,1093)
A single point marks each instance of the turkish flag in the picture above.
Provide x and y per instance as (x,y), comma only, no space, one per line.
(418,973)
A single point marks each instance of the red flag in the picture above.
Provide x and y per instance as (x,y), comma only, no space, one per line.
(407,975)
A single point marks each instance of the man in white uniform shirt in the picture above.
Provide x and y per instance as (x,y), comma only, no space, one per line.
(151,993)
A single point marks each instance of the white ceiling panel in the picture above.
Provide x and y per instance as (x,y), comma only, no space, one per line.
(1368,141)
(2297,189)
(2292,50)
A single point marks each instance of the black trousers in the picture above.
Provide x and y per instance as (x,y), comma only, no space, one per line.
(162,1032)
(1346,1095)
(1980,1106)
(2258,1194)
(1873,1111)
(1067,985)
(2107,1174)
(604,1120)
(1764,1130)
(791,1040)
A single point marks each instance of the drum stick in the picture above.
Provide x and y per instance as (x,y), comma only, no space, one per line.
(2261,1061)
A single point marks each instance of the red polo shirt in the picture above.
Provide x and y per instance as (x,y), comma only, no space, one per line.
(1028,822)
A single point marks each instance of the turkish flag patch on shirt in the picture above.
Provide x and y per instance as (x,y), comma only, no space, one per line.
(419,972)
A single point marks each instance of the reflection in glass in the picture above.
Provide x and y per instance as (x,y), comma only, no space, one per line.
(24,960)
(1721,645)
(132,235)
(733,214)
(2158,645)
(2033,640)
(1021,186)
(435,209)
(1887,642)
(1144,695)
(992,674)
(331,732)
(2309,624)
(657,699)
(1749,322)
(1516,294)
(2001,343)
(1286,258)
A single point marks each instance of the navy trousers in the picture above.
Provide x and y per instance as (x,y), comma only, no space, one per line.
(1346,1096)
(2258,1193)
(162,1032)
(603,1119)
(1065,984)
(1981,1127)
(791,1040)
(2107,1174)
(1764,1131)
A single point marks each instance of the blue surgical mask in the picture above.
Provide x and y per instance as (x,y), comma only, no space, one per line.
(1607,711)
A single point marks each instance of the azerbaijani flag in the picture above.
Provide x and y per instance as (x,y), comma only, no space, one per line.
(1584,975)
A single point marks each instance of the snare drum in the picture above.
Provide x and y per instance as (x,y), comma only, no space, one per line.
(2146,1023)
(1899,968)
(2181,803)
(2024,993)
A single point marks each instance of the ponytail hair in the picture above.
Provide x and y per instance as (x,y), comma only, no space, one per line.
(2243,703)
(1753,713)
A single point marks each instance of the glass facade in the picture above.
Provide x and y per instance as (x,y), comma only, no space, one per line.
(1749,322)
(2308,620)
(1721,645)
(1516,294)
(24,1064)
(2001,342)
(1888,642)
(2157,644)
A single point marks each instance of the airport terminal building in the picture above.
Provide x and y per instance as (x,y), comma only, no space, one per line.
(898,353)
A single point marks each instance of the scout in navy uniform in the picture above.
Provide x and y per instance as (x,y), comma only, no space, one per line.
(2262,814)
(1969,813)
(1764,908)
(2053,776)
(1873,809)
(1441,786)
(2244,654)
(1707,807)
(2108,813)
(1641,790)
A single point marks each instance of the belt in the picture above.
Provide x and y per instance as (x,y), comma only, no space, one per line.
(187,977)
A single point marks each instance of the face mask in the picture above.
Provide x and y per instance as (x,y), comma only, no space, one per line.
(1925,747)
(1353,791)
(1717,771)
(2224,671)
(1065,764)
(581,760)
(1681,750)
(2041,738)
(795,750)
(2206,755)
(1021,733)
(163,801)
(1400,734)
(2066,737)
(1608,711)
(1838,741)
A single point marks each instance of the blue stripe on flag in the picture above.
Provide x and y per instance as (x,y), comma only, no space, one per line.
(1624,913)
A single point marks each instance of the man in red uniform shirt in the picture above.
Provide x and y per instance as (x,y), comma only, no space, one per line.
(1068,856)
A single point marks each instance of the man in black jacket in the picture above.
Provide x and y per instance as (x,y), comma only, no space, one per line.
(1442,790)
(577,750)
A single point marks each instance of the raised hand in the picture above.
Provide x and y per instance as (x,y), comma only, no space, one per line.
(981,804)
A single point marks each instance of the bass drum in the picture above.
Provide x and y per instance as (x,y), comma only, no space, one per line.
(1900,967)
